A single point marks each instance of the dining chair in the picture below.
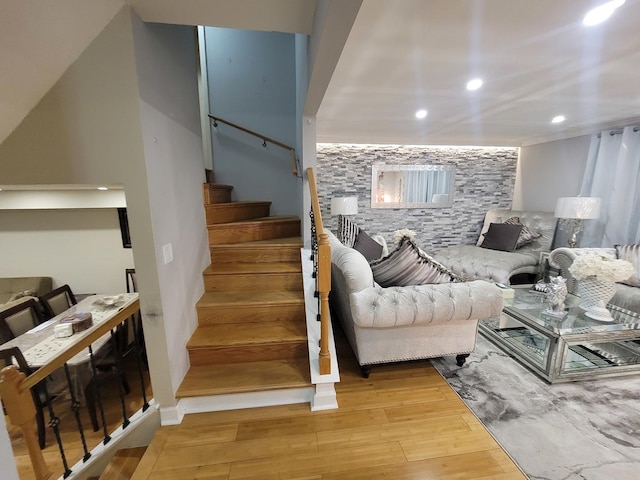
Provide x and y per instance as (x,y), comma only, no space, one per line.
(110,365)
(13,356)
(18,319)
(57,300)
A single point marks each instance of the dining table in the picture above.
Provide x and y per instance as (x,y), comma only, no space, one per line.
(40,345)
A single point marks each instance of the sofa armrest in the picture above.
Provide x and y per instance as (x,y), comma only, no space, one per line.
(563,257)
(378,307)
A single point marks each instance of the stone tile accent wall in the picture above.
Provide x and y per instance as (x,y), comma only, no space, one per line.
(484,179)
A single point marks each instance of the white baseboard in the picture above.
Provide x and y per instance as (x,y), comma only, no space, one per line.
(171,415)
(215,403)
(324,398)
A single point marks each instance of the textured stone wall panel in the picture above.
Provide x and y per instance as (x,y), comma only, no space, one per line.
(484,179)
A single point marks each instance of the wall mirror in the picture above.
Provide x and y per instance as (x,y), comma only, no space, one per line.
(412,186)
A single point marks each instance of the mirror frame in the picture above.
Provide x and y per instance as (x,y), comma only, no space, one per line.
(377,169)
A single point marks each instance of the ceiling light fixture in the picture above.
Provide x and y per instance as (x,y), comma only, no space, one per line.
(600,14)
(474,84)
(103,188)
(558,119)
(421,114)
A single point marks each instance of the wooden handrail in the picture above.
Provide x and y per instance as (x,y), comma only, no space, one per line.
(323,276)
(264,138)
(60,359)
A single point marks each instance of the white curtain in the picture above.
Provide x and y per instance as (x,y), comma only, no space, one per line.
(420,186)
(613,174)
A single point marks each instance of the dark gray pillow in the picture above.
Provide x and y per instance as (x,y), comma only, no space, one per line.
(367,246)
(502,236)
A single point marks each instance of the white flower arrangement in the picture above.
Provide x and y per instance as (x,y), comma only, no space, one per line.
(600,266)
(405,232)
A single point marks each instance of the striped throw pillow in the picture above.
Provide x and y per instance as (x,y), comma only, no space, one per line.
(408,265)
(527,235)
(347,231)
(630,253)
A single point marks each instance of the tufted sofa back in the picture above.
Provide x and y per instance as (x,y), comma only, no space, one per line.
(544,222)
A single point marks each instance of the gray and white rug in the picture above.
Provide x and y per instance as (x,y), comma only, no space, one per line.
(578,430)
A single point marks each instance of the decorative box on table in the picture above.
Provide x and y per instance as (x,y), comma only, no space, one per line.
(79,321)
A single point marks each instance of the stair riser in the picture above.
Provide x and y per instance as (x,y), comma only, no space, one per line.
(250,255)
(213,194)
(234,213)
(224,234)
(266,282)
(248,353)
(210,315)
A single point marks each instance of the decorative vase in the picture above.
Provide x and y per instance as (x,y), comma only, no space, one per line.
(595,292)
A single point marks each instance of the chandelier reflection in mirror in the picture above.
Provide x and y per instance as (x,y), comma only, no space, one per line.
(412,186)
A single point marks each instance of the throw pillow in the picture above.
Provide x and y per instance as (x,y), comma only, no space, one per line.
(347,231)
(630,253)
(407,265)
(367,246)
(502,236)
(26,293)
(527,235)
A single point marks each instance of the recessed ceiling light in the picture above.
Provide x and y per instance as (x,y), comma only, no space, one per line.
(474,84)
(103,188)
(421,114)
(558,119)
(600,14)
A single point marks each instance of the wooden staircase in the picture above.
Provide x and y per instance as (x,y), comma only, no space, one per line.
(251,335)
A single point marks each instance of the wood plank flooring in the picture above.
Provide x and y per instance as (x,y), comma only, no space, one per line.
(402,423)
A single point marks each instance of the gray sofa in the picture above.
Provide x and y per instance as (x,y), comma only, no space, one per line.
(394,324)
(626,296)
(473,262)
(15,290)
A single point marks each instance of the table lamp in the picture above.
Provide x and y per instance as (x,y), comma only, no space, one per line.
(577,209)
(344,206)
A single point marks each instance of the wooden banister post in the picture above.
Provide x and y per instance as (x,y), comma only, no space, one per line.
(324,286)
(22,414)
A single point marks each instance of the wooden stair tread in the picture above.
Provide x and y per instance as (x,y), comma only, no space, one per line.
(268,243)
(256,221)
(123,464)
(253,267)
(248,334)
(251,298)
(244,378)
(236,204)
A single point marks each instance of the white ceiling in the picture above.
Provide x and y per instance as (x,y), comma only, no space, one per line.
(536,58)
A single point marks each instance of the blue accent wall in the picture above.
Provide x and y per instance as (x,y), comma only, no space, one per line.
(252,82)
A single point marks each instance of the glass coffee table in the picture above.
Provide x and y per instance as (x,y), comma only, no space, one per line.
(571,348)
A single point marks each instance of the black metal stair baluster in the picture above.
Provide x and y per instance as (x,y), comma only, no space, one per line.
(119,373)
(54,424)
(137,351)
(98,396)
(75,408)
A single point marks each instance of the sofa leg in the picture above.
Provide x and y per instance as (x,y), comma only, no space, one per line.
(365,370)
(460,359)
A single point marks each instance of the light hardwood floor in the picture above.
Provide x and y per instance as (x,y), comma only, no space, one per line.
(402,423)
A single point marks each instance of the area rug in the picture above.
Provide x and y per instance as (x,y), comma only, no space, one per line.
(578,430)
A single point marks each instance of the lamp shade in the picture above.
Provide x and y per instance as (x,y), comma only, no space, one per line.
(578,207)
(344,206)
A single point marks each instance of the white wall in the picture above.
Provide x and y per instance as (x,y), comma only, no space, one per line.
(549,170)
(82,248)
(169,108)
